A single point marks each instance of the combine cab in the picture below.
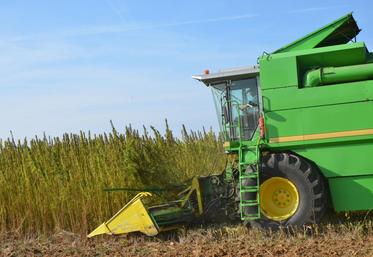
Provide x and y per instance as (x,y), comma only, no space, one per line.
(298,131)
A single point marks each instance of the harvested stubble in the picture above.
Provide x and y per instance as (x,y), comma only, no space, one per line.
(54,184)
(349,239)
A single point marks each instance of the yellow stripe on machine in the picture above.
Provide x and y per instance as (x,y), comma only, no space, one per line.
(132,217)
(361,132)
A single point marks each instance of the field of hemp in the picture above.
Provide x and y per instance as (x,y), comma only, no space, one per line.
(53,184)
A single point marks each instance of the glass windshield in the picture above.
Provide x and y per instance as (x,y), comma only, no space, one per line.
(244,107)
(218,94)
(237,107)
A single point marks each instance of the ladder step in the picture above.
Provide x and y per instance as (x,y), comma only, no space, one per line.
(247,164)
(251,217)
(249,190)
(249,176)
(252,172)
(250,201)
(249,204)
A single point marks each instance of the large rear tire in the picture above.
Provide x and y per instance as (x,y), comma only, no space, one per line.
(292,192)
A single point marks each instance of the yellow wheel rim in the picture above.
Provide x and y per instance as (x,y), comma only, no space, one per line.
(279,198)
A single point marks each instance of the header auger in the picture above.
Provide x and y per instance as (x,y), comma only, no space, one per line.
(298,130)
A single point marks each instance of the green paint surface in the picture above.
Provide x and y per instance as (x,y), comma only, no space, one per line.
(352,193)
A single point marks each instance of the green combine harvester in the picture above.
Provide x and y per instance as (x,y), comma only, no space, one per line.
(298,132)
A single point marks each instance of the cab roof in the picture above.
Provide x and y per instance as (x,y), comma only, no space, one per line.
(237,73)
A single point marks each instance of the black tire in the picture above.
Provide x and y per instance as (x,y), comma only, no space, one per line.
(310,186)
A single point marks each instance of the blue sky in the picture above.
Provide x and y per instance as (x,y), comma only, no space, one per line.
(67,66)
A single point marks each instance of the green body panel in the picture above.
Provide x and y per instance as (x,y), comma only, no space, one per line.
(275,100)
(319,119)
(284,70)
(352,193)
(347,158)
(287,69)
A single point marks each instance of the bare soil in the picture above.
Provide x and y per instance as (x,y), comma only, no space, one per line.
(231,240)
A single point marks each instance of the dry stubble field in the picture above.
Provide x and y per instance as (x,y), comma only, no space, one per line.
(354,239)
